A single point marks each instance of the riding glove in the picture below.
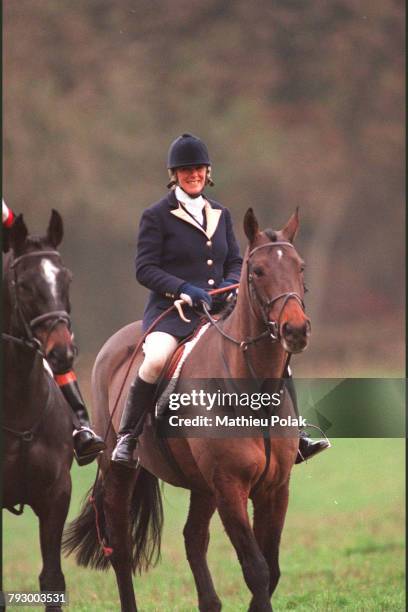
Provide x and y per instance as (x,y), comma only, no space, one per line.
(194,295)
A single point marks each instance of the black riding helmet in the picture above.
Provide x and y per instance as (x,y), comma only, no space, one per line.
(187,150)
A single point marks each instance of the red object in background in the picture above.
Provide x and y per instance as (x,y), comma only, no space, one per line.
(7,215)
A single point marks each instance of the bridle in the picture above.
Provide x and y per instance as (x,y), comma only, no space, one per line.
(56,316)
(272,328)
(265,304)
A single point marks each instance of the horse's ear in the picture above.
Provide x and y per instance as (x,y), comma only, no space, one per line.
(17,235)
(55,229)
(291,228)
(251,227)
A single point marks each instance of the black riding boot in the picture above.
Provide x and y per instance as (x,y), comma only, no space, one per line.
(87,445)
(307,447)
(138,402)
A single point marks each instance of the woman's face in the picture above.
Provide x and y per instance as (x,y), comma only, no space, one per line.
(192,178)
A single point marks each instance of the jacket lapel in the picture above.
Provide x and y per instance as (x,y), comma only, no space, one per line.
(181,214)
(213,216)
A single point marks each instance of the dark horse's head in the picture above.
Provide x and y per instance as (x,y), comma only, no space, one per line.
(36,292)
(275,282)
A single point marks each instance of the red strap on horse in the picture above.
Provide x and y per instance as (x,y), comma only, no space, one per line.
(65,379)
(107,550)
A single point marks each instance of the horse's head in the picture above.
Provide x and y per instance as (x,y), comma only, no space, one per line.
(275,282)
(37,292)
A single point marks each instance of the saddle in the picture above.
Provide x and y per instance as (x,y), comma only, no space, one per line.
(172,371)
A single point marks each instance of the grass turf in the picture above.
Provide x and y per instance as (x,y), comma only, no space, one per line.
(342,546)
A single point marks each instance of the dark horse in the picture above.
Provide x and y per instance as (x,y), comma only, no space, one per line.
(37,421)
(267,323)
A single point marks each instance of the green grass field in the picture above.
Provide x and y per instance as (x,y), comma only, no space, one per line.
(342,547)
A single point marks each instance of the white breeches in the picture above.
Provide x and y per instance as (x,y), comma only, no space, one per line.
(157,348)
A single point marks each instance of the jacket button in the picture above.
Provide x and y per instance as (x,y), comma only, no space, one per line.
(211,281)
(209,243)
(209,262)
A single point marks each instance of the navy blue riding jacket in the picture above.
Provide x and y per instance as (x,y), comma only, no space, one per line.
(173,248)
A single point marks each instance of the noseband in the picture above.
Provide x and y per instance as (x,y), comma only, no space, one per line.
(57,316)
(266,304)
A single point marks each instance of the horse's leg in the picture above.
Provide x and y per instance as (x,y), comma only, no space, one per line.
(232,501)
(118,487)
(52,510)
(269,517)
(196,539)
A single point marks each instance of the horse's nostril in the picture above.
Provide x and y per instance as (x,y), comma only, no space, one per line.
(291,331)
(287,329)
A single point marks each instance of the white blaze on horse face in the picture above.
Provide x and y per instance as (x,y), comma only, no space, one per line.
(279,253)
(50,272)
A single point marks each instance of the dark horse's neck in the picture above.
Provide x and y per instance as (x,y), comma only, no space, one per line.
(267,358)
(27,387)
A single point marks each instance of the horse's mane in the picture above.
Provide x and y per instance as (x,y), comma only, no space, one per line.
(36,241)
(226,311)
(271,234)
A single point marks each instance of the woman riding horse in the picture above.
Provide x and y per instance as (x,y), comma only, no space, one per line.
(186,246)
(87,444)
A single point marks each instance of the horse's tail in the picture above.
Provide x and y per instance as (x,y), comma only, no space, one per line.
(146,523)
(81,535)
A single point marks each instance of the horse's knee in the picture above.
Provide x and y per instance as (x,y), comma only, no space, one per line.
(256,573)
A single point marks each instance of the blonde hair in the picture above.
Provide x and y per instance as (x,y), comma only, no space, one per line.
(173,178)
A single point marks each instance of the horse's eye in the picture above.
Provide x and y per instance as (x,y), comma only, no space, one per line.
(302,268)
(258,271)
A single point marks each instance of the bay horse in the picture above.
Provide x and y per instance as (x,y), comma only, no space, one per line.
(37,420)
(268,322)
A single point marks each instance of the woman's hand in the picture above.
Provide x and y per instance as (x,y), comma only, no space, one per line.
(194,295)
